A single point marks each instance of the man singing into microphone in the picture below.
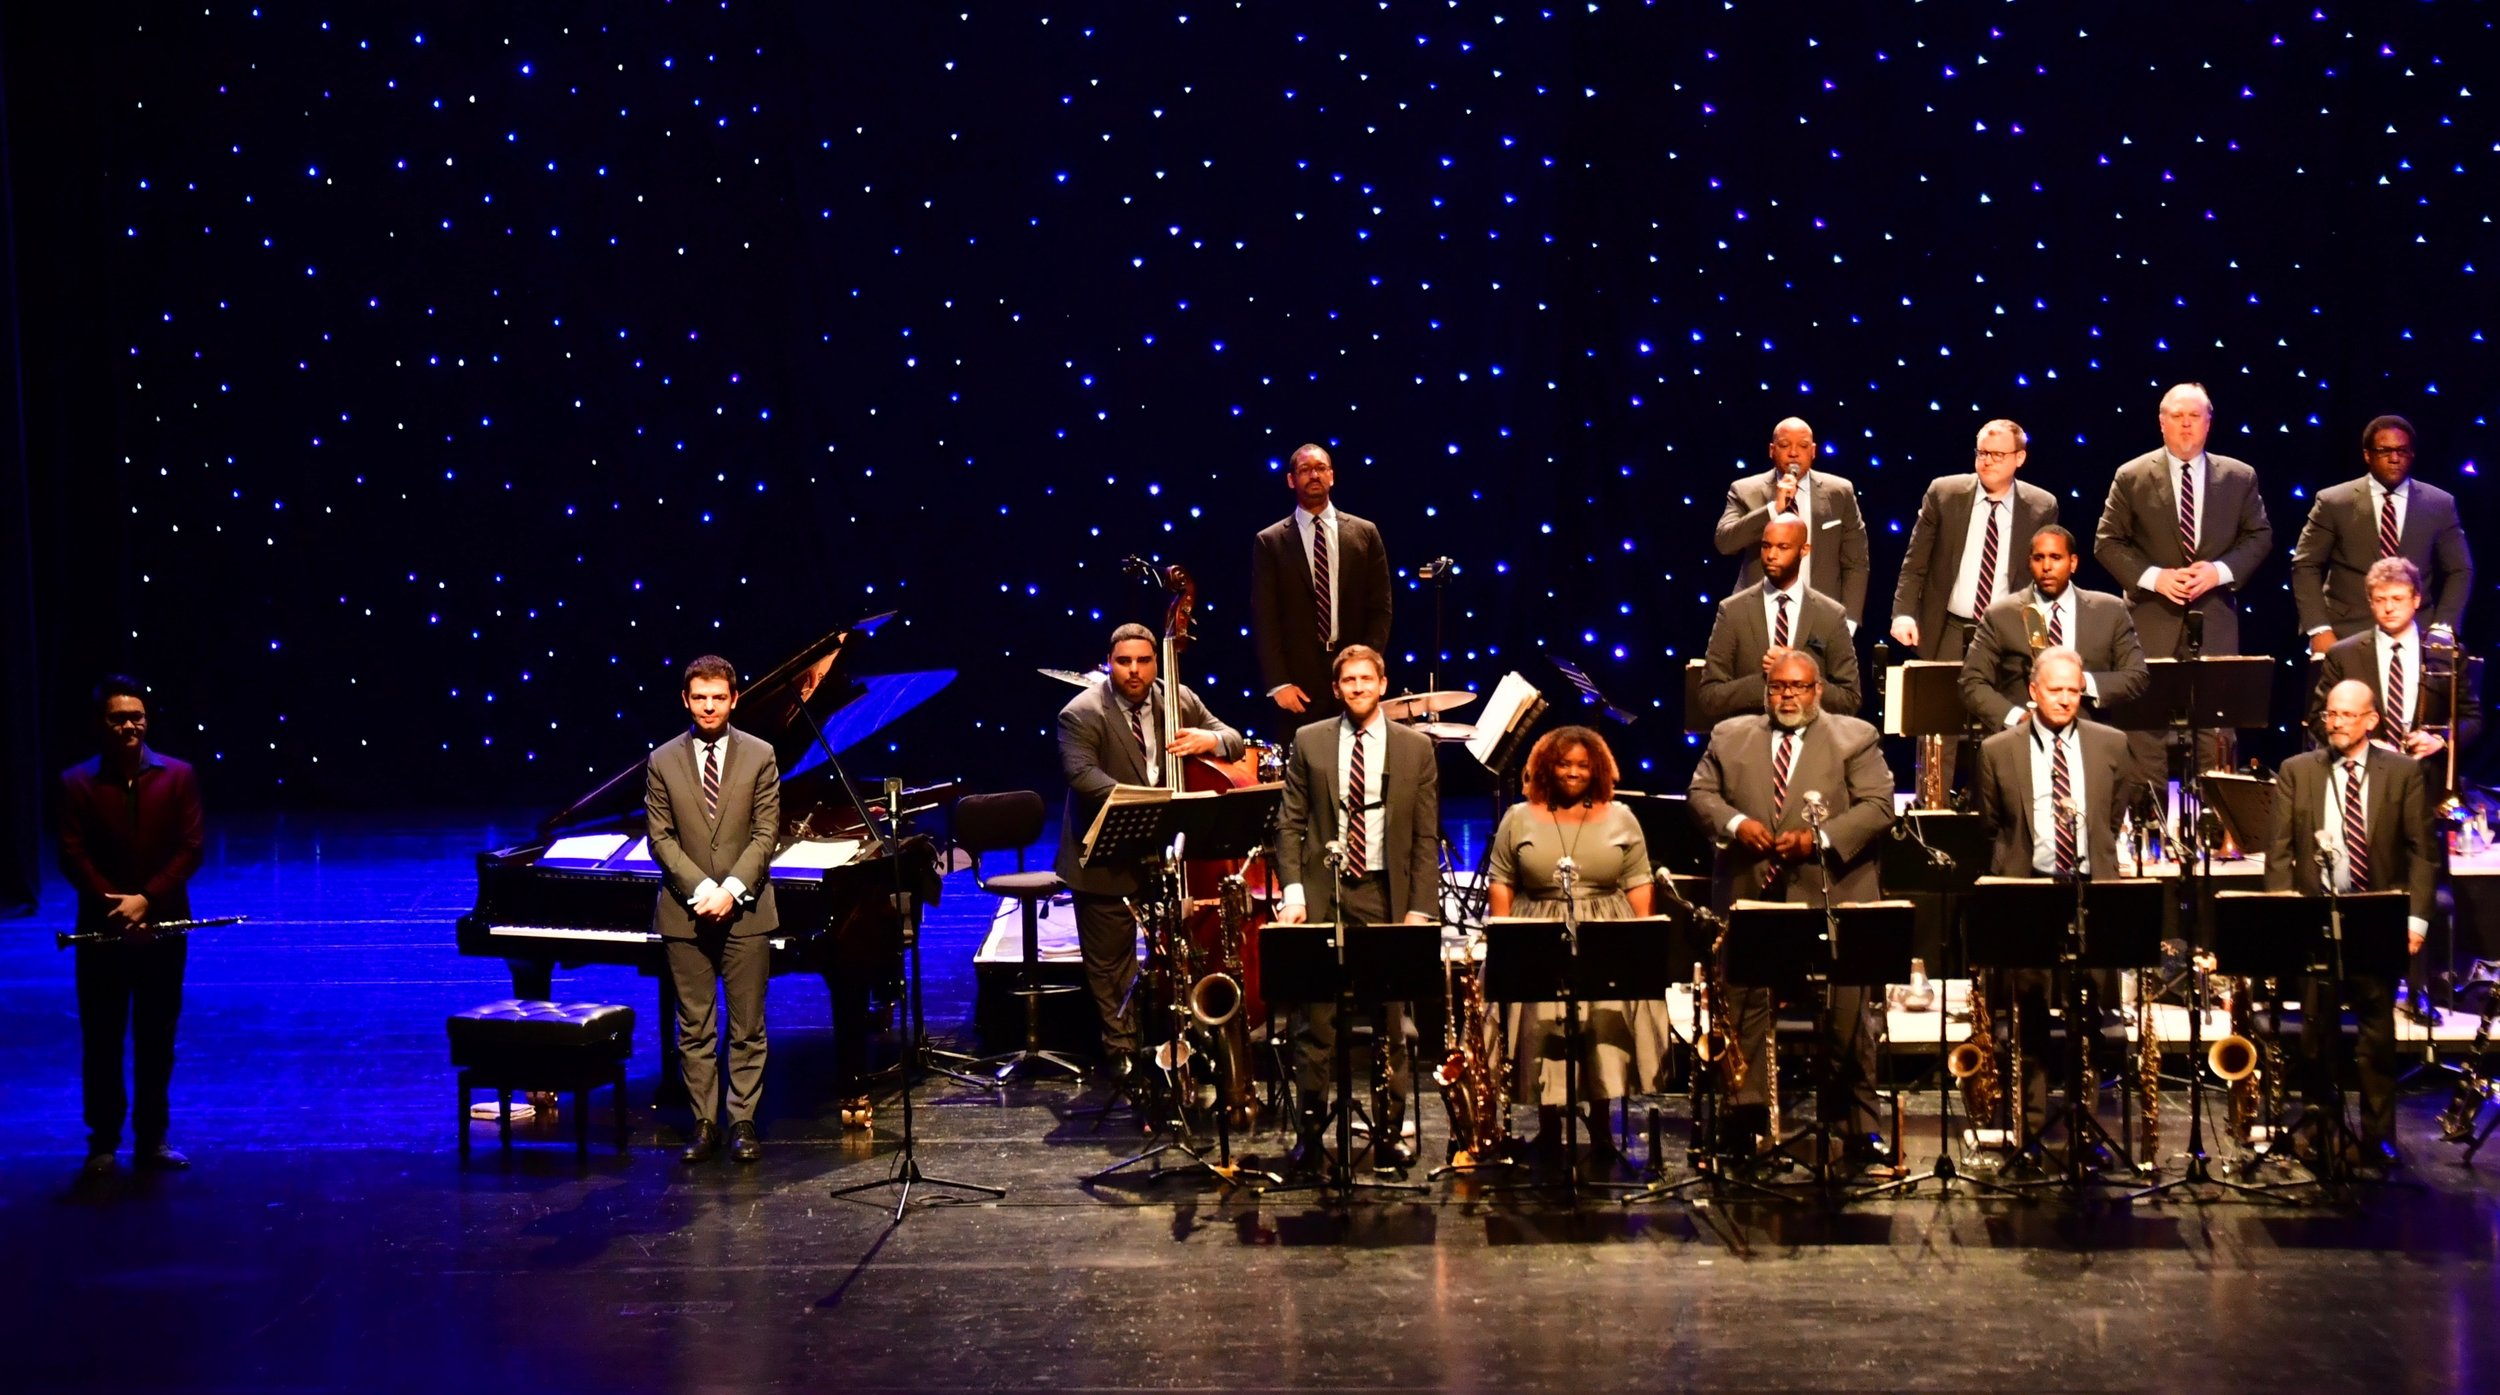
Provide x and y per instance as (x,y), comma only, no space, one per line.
(1759,791)
(1834,563)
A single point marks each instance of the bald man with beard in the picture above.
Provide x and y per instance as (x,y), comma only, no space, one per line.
(1835,551)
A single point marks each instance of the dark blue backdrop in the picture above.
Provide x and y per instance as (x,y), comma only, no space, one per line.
(424,393)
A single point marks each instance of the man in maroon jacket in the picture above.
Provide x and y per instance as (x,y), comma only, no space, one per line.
(129,825)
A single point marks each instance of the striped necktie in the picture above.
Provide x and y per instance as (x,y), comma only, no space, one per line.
(1987,588)
(2187,513)
(2062,802)
(2057,624)
(1779,632)
(711,779)
(2387,523)
(2396,695)
(2356,829)
(1780,761)
(1357,822)
(1320,606)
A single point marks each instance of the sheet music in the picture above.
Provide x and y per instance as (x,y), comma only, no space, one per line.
(1500,711)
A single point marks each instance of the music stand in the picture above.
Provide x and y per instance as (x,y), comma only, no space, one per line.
(1676,840)
(1793,945)
(1355,965)
(2363,933)
(1216,826)
(1535,960)
(1923,700)
(2257,934)
(2115,924)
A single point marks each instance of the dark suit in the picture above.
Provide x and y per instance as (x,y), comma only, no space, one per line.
(1731,678)
(1284,613)
(1098,750)
(1406,874)
(1834,529)
(2357,657)
(1932,567)
(2308,795)
(707,959)
(2139,528)
(1840,756)
(1996,673)
(2006,809)
(2340,542)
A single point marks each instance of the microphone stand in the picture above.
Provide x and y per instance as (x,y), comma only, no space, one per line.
(1826,1010)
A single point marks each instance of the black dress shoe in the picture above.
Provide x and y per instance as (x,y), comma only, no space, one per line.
(1310,1147)
(744,1147)
(161,1158)
(1867,1150)
(1390,1150)
(705,1143)
(2382,1153)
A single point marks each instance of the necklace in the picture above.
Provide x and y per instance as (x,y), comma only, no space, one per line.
(1570,844)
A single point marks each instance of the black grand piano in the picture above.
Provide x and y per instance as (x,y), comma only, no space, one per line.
(581,891)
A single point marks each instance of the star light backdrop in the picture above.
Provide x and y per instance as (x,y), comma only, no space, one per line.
(468,378)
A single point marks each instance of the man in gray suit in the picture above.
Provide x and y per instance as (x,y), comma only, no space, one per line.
(2182,532)
(1760,785)
(1357,842)
(1109,735)
(1761,623)
(712,806)
(2409,693)
(2051,794)
(1996,674)
(1834,562)
(2385,513)
(2360,813)
(1955,568)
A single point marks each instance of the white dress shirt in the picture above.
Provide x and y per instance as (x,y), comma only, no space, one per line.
(1796,594)
(702,748)
(1963,599)
(2044,797)
(2407,649)
(2196,508)
(1375,739)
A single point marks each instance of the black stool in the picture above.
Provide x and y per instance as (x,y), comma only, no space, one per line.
(995,822)
(526,1044)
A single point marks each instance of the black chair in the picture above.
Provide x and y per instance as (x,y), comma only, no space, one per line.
(994,823)
(528,1044)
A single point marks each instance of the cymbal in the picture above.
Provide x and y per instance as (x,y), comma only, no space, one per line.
(1406,707)
(1447,731)
(1073,678)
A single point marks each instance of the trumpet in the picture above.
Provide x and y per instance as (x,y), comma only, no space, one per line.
(63,939)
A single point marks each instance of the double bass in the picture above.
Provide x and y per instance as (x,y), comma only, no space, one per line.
(1217,954)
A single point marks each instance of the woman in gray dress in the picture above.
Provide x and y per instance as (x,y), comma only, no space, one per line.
(1570,813)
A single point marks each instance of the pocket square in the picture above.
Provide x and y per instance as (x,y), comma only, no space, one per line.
(1831,523)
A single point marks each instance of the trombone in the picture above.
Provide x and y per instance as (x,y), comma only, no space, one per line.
(2441,641)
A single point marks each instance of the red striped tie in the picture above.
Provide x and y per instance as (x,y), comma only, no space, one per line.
(2057,624)
(1987,589)
(711,779)
(2187,513)
(1319,583)
(1779,632)
(2356,829)
(1356,823)
(2387,523)
(2062,802)
(2396,709)
(1779,773)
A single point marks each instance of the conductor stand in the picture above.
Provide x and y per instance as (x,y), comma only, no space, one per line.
(2249,941)
(1356,965)
(906,1172)
(1227,826)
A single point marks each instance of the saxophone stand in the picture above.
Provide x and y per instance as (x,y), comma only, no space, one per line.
(1351,963)
(906,1173)
(2242,932)
(1696,936)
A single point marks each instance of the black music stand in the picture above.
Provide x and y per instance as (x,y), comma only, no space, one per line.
(1677,842)
(2113,924)
(2257,934)
(1922,699)
(2358,933)
(1534,960)
(1358,966)
(1221,827)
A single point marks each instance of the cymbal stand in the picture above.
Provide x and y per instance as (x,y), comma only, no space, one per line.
(906,1172)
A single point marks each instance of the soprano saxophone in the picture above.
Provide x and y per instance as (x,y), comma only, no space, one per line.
(2148,1066)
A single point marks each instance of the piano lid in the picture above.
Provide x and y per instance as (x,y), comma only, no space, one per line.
(807,691)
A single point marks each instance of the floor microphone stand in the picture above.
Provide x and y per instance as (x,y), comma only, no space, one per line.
(906,1172)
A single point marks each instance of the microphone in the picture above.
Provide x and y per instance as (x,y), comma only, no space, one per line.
(1815,809)
(1567,876)
(1432,570)
(2195,633)
(1334,856)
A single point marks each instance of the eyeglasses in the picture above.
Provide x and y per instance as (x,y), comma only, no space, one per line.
(1780,687)
(1998,457)
(2390,451)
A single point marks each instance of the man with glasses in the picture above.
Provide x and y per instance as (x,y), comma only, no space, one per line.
(1967,549)
(2384,513)
(1319,583)
(2182,532)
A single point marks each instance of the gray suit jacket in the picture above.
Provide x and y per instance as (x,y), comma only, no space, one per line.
(1097,751)
(1731,677)
(1410,850)
(1284,614)
(2399,816)
(1933,563)
(1996,673)
(2357,657)
(2139,528)
(2340,541)
(2110,786)
(737,843)
(1842,760)
(1836,532)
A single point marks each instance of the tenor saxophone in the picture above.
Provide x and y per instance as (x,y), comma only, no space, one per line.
(1973,1061)
(1469,1080)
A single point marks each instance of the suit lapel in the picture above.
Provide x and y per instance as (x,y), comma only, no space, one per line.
(1296,557)
(2025,801)
(1959,507)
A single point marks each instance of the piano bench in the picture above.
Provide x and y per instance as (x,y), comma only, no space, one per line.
(525,1044)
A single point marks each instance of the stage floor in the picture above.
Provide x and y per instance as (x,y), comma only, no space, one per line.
(329,1238)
